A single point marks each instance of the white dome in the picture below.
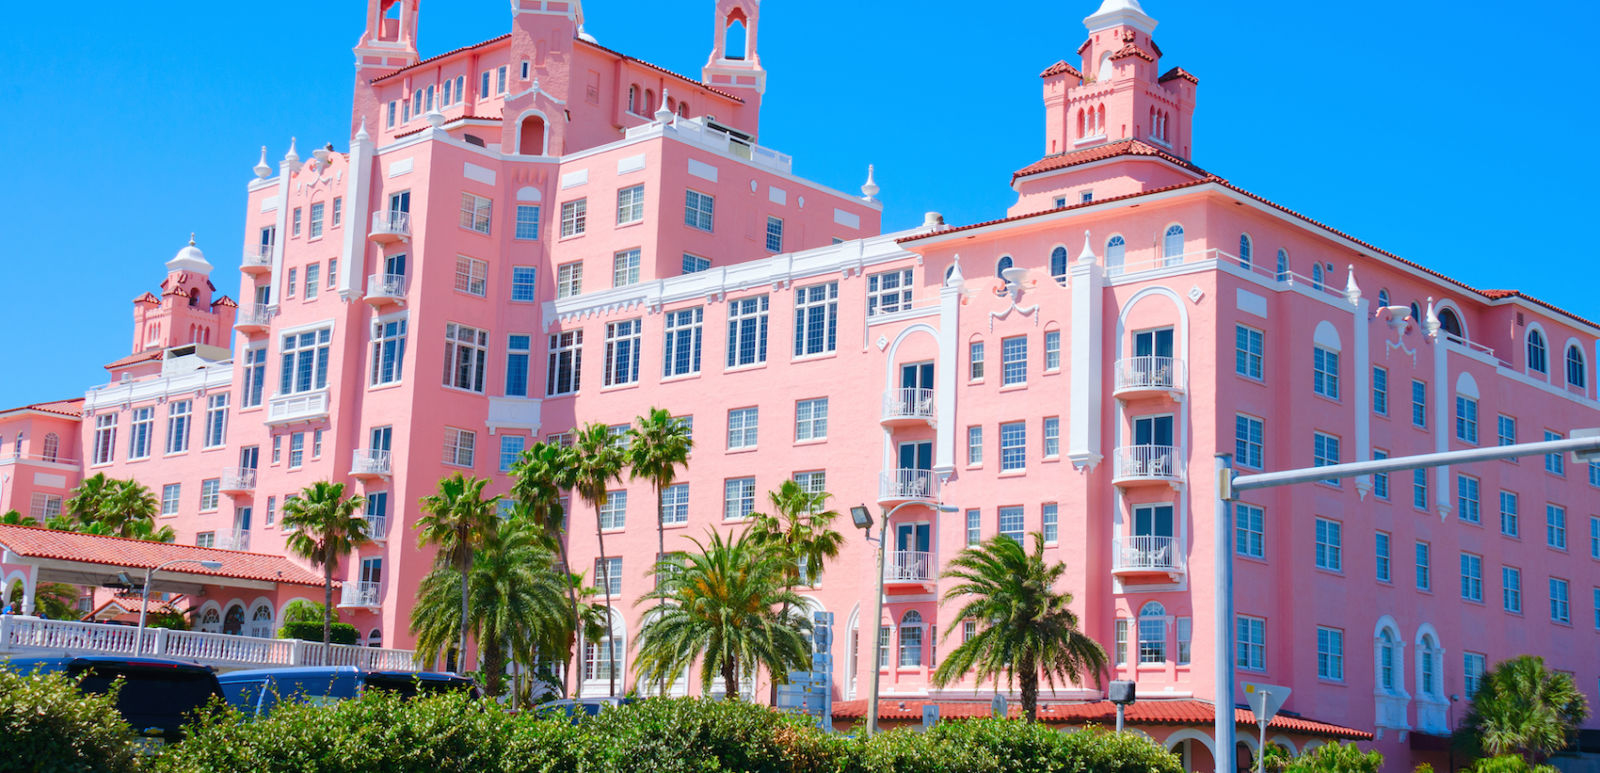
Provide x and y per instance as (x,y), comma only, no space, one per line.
(1115,12)
(1119,5)
(190,258)
(584,36)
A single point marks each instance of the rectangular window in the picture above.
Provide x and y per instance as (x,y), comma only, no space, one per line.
(466,354)
(1014,360)
(1419,489)
(1325,372)
(1594,537)
(569,279)
(742,427)
(1185,628)
(316,225)
(675,504)
(313,281)
(811,419)
(738,498)
(883,647)
(297,450)
(1380,481)
(608,575)
(1472,667)
(1380,391)
(1330,654)
(294,228)
(1560,609)
(698,210)
(1247,352)
(1510,520)
(171,495)
(527,222)
(625,268)
(178,426)
(694,264)
(1052,437)
(272,510)
(1424,566)
(888,292)
(1472,577)
(1049,518)
(205,539)
(974,445)
(1248,536)
(1251,643)
(1506,431)
(1381,553)
(316,444)
(105,437)
(475,211)
(1052,350)
(304,358)
(388,351)
(1013,446)
(747,331)
(510,450)
(1330,545)
(1555,526)
(483,85)
(1511,589)
(524,284)
(566,360)
(389,122)
(1555,464)
(1011,522)
(255,376)
(472,276)
(1467,499)
(774,234)
(974,526)
(1122,642)
(209,490)
(614,510)
(1466,419)
(1152,640)
(140,427)
(816,319)
(622,352)
(459,445)
(630,205)
(289,288)
(975,361)
(217,420)
(1248,432)
(1419,403)
(277,448)
(574,217)
(1325,453)
(681,355)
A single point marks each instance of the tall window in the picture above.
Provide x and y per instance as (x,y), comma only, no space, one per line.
(574,217)
(1250,643)
(171,496)
(1244,251)
(1555,464)
(305,361)
(774,234)
(1473,665)
(1419,403)
(974,526)
(316,223)
(217,420)
(1248,432)
(1249,538)
(1330,654)
(527,222)
(1152,633)
(614,510)
(622,352)
(738,498)
(297,450)
(1116,251)
(1466,419)
(1052,350)
(459,445)
(1185,634)
(698,210)
(140,428)
(1052,437)
(1419,489)
(1560,608)
(747,331)
(569,279)
(1014,360)
(1050,521)
(1010,522)
(975,361)
(1172,245)
(1506,431)
(566,359)
(911,639)
(524,284)
(466,353)
(1121,655)
(178,426)
(388,350)
(1380,480)
(1013,446)
(1511,589)
(625,268)
(1555,527)
(1380,391)
(888,292)
(475,212)
(517,358)
(1472,577)
(105,437)
(682,349)
(1468,500)
(630,205)
(675,504)
(1325,453)
(974,445)
(1058,265)
(313,281)
(1325,372)
(1510,521)
(816,319)
(1330,545)
(472,276)
(1424,562)
(255,376)
(742,423)
(1538,356)
(1576,372)
(811,419)
(1247,351)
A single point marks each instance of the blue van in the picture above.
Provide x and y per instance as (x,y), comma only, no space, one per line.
(157,695)
(256,691)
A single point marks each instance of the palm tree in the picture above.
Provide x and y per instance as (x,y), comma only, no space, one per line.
(458,520)
(89,497)
(130,508)
(1025,626)
(719,605)
(658,447)
(326,526)
(800,530)
(537,490)
(596,464)
(1523,708)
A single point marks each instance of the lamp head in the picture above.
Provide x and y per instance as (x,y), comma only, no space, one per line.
(943,508)
(211,564)
(861,517)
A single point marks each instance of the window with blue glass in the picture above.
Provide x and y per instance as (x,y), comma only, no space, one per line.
(527,222)
(510,448)
(517,354)
(523,288)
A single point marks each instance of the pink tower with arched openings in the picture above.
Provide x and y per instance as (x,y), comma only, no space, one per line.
(189,309)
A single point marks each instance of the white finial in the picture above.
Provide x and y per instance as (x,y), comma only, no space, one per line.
(292,156)
(954,278)
(262,170)
(662,113)
(435,118)
(361,133)
(869,189)
(535,88)
(1087,257)
(1352,291)
(1431,322)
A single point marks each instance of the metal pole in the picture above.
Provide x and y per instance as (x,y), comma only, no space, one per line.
(877,625)
(1222,615)
(1261,749)
(144,607)
(1576,444)
(1121,710)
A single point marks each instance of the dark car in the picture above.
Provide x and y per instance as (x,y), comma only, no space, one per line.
(577,708)
(256,691)
(158,696)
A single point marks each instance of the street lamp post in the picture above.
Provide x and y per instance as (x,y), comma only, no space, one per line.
(863,520)
(144,602)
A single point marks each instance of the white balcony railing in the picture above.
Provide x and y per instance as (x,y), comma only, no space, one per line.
(360,594)
(238,479)
(386,287)
(377,527)
(908,403)
(255,315)
(1135,374)
(283,409)
(258,257)
(1147,463)
(1145,552)
(30,635)
(908,485)
(238,539)
(391,225)
(908,566)
(369,462)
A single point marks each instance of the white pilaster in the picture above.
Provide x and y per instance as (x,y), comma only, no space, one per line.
(944,451)
(286,169)
(1362,380)
(357,193)
(1086,282)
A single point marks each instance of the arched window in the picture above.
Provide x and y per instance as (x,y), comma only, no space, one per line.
(1416,312)
(1283,265)
(1383,297)
(1427,670)
(1081,126)
(1058,264)
(1116,252)
(1100,120)
(649,102)
(1001,265)
(1154,132)
(1106,68)
(1244,251)
(633,99)
(672,104)
(261,622)
(911,639)
(211,621)
(734,36)
(52,442)
(1316,276)
(1576,372)
(1537,359)
(1152,633)
(531,138)
(1172,245)
(233,622)
(683,109)
(1451,323)
(951,269)
(375,639)
(1386,662)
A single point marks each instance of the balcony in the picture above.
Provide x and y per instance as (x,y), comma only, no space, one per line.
(386,290)
(1148,557)
(388,227)
(908,406)
(238,539)
(238,481)
(360,594)
(254,319)
(1147,464)
(908,567)
(305,406)
(257,259)
(896,486)
(369,463)
(1149,376)
(377,527)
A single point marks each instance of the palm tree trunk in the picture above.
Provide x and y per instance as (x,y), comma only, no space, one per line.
(611,638)
(730,679)
(327,613)
(1029,679)
(575,655)
(493,666)
(461,641)
(661,552)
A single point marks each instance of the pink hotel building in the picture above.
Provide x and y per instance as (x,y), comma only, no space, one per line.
(537,231)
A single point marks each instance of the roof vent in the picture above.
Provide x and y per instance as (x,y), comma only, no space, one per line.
(932,220)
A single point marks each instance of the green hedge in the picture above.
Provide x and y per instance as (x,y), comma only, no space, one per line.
(48,725)
(340,633)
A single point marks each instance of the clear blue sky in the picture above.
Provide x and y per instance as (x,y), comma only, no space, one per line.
(1454,134)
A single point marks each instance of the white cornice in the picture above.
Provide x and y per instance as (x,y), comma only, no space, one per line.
(194,382)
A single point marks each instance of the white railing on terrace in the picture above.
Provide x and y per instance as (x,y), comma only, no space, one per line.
(258,256)
(386,286)
(238,539)
(238,479)
(1332,282)
(908,403)
(908,484)
(37,458)
(386,222)
(1149,552)
(367,461)
(360,594)
(1149,372)
(908,566)
(1473,346)
(724,143)
(377,527)
(31,635)
(1148,461)
(255,314)
(297,407)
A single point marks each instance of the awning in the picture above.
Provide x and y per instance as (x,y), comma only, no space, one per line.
(90,559)
(1193,713)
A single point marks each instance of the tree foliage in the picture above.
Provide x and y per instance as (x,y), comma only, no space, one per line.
(325,526)
(49,725)
(1524,709)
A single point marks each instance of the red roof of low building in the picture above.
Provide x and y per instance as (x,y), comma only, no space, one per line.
(437,57)
(136,358)
(1101,153)
(121,553)
(1146,712)
(72,408)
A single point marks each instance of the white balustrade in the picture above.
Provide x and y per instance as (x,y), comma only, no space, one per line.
(239,540)
(908,403)
(1149,373)
(255,315)
(386,286)
(1149,552)
(908,566)
(387,223)
(360,594)
(1147,462)
(377,527)
(369,461)
(238,479)
(258,256)
(282,409)
(906,484)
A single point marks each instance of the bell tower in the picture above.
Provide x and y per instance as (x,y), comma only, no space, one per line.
(735,65)
(388,44)
(189,310)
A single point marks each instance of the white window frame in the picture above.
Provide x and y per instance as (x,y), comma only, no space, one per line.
(466,357)
(476,212)
(623,341)
(738,498)
(472,276)
(565,371)
(625,267)
(816,319)
(889,292)
(811,419)
(574,217)
(460,447)
(743,426)
(630,205)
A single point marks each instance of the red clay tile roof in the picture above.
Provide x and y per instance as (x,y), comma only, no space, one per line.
(1147,712)
(1132,50)
(135,358)
(146,298)
(1061,67)
(659,68)
(447,122)
(224,301)
(120,553)
(1101,153)
(437,57)
(1178,72)
(72,408)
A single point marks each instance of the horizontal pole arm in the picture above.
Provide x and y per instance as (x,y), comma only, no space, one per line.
(1263,480)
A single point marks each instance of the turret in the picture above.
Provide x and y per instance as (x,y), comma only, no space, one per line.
(188,310)
(388,44)
(735,64)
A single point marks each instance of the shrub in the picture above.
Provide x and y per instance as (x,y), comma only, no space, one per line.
(684,735)
(51,726)
(340,633)
(1336,758)
(304,611)
(1509,763)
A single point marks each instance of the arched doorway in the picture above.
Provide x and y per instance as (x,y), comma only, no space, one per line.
(233,621)
(530,140)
